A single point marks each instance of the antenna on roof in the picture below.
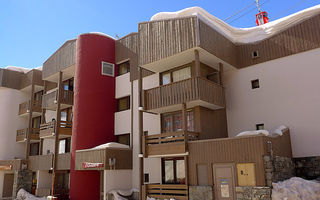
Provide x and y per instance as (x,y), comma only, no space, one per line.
(261,17)
(117,37)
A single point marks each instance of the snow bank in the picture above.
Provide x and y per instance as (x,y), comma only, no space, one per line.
(112,145)
(24,195)
(241,35)
(116,193)
(258,132)
(150,198)
(279,130)
(296,189)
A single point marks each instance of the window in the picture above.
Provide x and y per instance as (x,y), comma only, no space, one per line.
(166,78)
(124,103)
(66,115)
(68,84)
(123,68)
(124,139)
(172,122)
(173,171)
(107,69)
(146,178)
(255,54)
(175,75)
(260,126)
(38,96)
(36,121)
(64,145)
(181,74)
(34,149)
(255,84)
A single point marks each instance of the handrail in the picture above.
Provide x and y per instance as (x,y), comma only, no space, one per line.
(25,130)
(167,191)
(170,137)
(47,125)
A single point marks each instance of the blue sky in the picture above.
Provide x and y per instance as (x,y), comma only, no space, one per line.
(31,30)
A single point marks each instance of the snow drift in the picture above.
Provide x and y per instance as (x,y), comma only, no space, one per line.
(296,189)
(24,195)
(241,35)
(119,194)
(277,132)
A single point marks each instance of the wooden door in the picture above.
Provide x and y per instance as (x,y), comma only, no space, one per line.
(7,185)
(224,181)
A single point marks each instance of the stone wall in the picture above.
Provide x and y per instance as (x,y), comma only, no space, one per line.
(200,193)
(278,168)
(22,179)
(253,193)
(308,168)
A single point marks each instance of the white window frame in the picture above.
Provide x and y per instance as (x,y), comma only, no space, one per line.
(102,64)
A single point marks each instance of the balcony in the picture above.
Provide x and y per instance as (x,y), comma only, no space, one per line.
(50,100)
(24,108)
(167,143)
(179,192)
(16,164)
(49,129)
(40,162)
(45,162)
(22,135)
(195,91)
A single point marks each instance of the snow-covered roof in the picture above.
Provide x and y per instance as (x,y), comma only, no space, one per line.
(22,69)
(241,35)
(112,145)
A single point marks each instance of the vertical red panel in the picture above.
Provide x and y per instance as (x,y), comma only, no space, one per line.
(94,107)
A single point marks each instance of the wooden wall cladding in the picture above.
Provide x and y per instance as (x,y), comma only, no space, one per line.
(127,49)
(298,38)
(64,57)
(249,149)
(161,39)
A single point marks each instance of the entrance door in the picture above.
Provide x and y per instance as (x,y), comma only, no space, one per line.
(7,185)
(224,181)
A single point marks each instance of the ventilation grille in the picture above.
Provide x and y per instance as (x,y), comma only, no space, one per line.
(107,69)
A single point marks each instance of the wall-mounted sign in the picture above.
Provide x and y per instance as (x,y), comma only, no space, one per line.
(5,167)
(224,184)
(87,165)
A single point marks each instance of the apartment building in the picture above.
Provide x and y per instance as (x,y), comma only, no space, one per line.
(157,112)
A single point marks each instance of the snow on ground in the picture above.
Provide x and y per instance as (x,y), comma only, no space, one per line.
(24,195)
(296,189)
(116,193)
(241,35)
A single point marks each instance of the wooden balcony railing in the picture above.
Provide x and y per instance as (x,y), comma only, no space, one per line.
(179,192)
(168,143)
(40,162)
(50,100)
(22,134)
(25,108)
(49,129)
(187,90)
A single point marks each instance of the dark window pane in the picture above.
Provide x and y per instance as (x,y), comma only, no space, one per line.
(124,103)
(124,139)
(124,68)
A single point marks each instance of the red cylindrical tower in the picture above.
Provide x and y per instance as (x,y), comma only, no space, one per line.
(94,107)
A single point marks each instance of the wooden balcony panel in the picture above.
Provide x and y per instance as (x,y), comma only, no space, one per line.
(65,128)
(15,164)
(40,162)
(50,100)
(179,192)
(22,135)
(24,108)
(64,161)
(47,129)
(167,143)
(193,89)
(67,97)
